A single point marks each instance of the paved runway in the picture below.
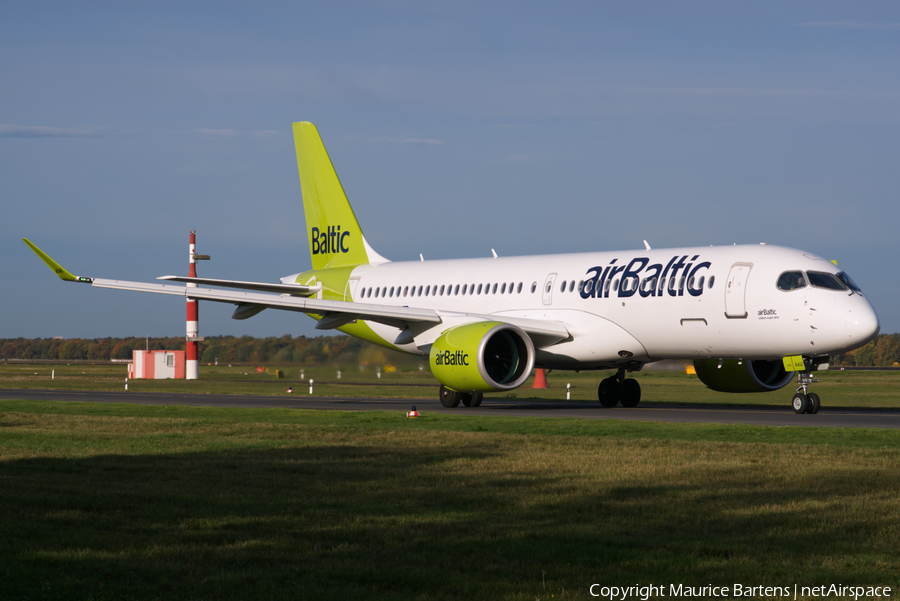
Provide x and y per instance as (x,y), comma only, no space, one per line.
(759,416)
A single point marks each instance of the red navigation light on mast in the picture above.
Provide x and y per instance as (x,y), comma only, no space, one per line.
(192,363)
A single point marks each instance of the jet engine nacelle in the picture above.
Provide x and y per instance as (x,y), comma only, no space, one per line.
(486,356)
(744,376)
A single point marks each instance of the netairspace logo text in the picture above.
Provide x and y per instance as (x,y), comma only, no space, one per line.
(651,591)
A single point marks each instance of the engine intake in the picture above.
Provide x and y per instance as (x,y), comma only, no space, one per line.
(485,356)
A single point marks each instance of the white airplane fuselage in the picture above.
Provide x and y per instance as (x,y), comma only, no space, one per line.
(714,302)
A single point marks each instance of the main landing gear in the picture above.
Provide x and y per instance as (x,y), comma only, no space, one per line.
(805,401)
(616,389)
(452,398)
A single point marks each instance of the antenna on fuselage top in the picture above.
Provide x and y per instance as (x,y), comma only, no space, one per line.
(494,252)
(646,246)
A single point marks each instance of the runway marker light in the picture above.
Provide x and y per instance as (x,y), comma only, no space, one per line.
(413,413)
(569,392)
(290,389)
(310,385)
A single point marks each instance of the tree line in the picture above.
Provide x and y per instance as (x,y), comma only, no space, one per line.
(339,351)
(301,350)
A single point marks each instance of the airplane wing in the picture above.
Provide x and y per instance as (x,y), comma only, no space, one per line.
(292,289)
(293,298)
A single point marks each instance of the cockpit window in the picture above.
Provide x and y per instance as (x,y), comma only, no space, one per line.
(791,280)
(850,283)
(820,279)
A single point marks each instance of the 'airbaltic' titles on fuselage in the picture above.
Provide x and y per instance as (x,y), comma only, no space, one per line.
(448,358)
(329,242)
(639,277)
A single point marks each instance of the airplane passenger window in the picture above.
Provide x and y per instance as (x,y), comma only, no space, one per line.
(427,290)
(588,286)
(616,285)
(362,293)
(369,295)
(672,284)
(376,292)
(606,290)
(700,287)
(562,287)
(494,290)
(391,295)
(503,288)
(572,286)
(479,288)
(471,289)
(533,287)
(442,291)
(456,290)
(420,291)
(820,279)
(681,283)
(712,280)
(662,284)
(519,289)
(464,289)
(549,285)
(405,290)
(791,280)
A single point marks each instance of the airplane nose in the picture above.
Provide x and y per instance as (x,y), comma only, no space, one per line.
(862,324)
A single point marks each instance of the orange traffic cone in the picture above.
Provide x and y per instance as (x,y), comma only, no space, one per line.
(413,413)
(540,380)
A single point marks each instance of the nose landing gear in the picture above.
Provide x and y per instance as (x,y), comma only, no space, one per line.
(805,401)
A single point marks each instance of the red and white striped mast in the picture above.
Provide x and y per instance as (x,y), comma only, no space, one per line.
(192,364)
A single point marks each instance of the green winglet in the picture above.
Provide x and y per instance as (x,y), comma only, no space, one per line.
(56,267)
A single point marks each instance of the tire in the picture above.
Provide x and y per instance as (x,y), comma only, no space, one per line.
(814,403)
(449,398)
(800,403)
(631,393)
(466,398)
(608,393)
(477,397)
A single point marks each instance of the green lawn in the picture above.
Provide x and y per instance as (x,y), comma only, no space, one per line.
(108,501)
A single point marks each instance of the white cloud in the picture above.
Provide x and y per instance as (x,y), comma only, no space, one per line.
(853,25)
(43,131)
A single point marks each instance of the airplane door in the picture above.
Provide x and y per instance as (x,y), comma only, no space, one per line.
(547,292)
(350,290)
(735,291)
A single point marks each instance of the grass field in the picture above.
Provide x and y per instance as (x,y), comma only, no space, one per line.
(109,501)
(101,501)
(837,388)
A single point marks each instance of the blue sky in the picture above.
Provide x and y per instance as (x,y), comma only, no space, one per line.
(456,127)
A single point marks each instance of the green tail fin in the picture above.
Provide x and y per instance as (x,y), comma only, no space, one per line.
(334,235)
